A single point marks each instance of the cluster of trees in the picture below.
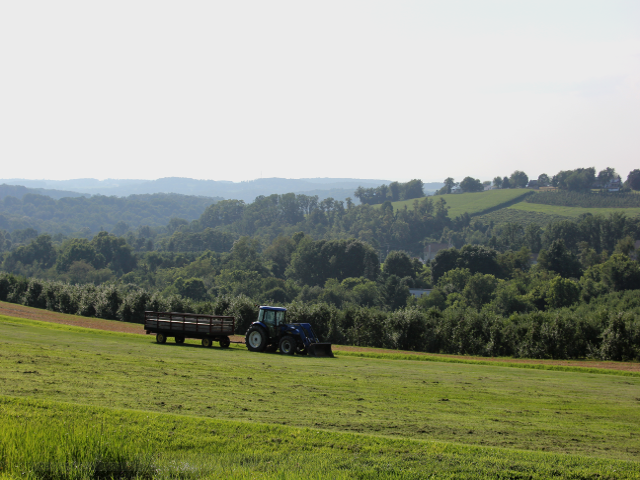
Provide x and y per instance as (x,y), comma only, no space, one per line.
(468,185)
(276,215)
(393,192)
(578,180)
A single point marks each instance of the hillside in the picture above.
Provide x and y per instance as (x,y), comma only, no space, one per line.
(96,213)
(473,203)
(18,191)
(570,211)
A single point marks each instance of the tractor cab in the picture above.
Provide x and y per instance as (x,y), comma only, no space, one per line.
(271,332)
(272,318)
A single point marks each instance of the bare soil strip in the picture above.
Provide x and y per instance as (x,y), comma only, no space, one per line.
(20,311)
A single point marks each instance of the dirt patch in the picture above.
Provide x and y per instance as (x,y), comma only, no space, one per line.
(20,311)
(624,366)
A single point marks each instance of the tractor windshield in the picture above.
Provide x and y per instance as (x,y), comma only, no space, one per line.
(271,317)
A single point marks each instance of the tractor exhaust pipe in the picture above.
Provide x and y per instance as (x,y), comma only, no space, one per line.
(320,350)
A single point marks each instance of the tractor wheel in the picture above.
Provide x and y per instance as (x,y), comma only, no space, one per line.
(225,342)
(256,339)
(206,342)
(161,338)
(179,340)
(288,345)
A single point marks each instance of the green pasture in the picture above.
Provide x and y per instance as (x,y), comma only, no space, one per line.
(570,211)
(167,409)
(472,203)
(521,217)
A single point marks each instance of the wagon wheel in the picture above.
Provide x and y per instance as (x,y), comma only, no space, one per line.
(179,340)
(225,342)
(206,342)
(161,338)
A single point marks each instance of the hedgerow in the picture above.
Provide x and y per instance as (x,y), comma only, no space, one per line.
(607,328)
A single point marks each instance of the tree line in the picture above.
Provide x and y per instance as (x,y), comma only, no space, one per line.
(577,180)
(395,191)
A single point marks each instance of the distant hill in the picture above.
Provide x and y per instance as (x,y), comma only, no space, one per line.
(338,188)
(87,216)
(20,191)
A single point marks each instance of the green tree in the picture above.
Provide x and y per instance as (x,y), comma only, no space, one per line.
(191,288)
(633,179)
(471,185)
(221,213)
(606,175)
(532,237)
(413,189)
(76,250)
(449,183)
(619,272)
(398,263)
(479,290)
(544,180)
(394,293)
(559,259)
(518,179)
(497,182)
(562,292)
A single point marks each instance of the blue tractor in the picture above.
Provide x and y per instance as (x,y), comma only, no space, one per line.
(272,332)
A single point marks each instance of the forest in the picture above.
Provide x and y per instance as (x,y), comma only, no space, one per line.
(82,216)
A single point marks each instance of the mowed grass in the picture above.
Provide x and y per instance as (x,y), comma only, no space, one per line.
(45,439)
(472,203)
(570,211)
(349,413)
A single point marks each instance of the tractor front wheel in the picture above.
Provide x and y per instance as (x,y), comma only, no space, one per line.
(288,345)
(256,339)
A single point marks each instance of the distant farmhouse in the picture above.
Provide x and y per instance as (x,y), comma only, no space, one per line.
(613,185)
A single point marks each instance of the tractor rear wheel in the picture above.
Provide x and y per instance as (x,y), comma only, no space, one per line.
(288,345)
(161,338)
(256,339)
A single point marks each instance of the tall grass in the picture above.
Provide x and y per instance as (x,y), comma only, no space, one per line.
(69,447)
(50,440)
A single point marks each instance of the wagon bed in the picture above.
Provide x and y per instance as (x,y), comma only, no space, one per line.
(208,328)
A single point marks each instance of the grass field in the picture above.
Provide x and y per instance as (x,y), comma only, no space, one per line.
(502,206)
(185,411)
(473,203)
(570,211)
(521,217)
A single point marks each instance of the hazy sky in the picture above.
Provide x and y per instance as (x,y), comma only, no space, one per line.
(237,90)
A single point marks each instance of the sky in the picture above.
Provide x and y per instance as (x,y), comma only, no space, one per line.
(239,90)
